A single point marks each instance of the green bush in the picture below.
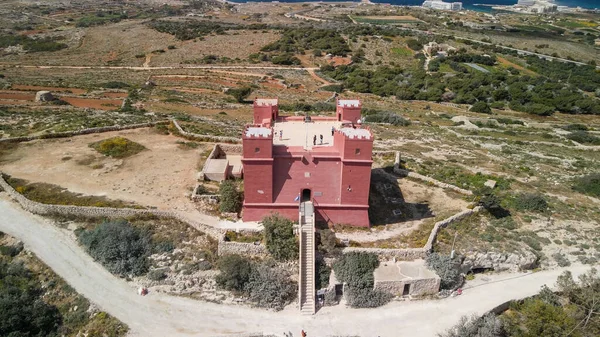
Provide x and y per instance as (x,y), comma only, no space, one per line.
(575,127)
(230,198)
(481,107)
(279,237)
(366,297)
(327,242)
(531,202)
(561,259)
(487,326)
(584,137)
(118,246)
(157,275)
(387,117)
(23,311)
(446,268)
(323,273)
(356,269)
(117,147)
(589,184)
(234,272)
(270,287)
(240,94)
(115,84)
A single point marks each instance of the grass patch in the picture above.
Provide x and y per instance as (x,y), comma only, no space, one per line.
(401,51)
(117,147)
(55,195)
(243,237)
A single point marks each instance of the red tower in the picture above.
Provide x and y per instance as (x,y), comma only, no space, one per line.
(326,161)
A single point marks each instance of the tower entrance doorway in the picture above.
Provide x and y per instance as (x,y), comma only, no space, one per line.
(306,194)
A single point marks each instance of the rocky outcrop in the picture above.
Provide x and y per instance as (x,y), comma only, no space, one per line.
(499,261)
(44,96)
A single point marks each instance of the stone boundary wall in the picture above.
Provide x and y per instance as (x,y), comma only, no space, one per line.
(99,212)
(430,180)
(246,249)
(195,136)
(81,132)
(414,253)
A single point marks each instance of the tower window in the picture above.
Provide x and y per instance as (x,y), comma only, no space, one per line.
(357,151)
(256,149)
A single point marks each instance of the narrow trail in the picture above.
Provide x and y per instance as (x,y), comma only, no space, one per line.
(154,68)
(164,315)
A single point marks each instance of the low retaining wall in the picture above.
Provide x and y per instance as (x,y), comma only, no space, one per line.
(81,132)
(99,212)
(432,181)
(198,137)
(242,248)
(386,254)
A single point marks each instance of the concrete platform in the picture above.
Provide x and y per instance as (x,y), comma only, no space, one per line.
(301,134)
(216,169)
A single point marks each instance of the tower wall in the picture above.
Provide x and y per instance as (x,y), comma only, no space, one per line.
(257,159)
(348,112)
(265,111)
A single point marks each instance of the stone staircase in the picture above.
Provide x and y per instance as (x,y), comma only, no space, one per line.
(306,284)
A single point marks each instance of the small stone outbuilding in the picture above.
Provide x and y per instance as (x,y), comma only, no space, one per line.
(406,278)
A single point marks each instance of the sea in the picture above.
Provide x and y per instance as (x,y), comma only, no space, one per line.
(475,5)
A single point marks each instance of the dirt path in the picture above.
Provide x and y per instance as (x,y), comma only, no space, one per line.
(314,75)
(162,315)
(156,68)
(147,61)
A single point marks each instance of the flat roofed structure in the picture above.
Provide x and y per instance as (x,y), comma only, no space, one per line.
(285,162)
(406,278)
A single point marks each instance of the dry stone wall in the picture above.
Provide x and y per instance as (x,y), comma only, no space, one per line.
(198,137)
(99,212)
(385,254)
(81,132)
(430,180)
(242,248)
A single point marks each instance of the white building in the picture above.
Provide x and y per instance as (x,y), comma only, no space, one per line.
(526,2)
(448,6)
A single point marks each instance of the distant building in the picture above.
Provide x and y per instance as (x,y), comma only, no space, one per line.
(537,6)
(434,49)
(288,160)
(448,6)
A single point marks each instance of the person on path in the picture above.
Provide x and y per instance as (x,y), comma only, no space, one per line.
(315,140)
(280,134)
(321,138)
(332,130)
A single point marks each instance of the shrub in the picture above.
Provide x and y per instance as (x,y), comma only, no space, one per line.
(531,202)
(387,117)
(327,242)
(584,137)
(487,326)
(270,287)
(11,251)
(240,94)
(366,297)
(279,237)
(589,184)
(115,84)
(23,311)
(118,246)
(230,200)
(575,127)
(446,268)
(356,269)
(481,107)
(117,147)
(561,259)
(323,273)
(157,275)
(234,272)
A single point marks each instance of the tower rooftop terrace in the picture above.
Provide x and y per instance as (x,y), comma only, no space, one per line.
(299,133)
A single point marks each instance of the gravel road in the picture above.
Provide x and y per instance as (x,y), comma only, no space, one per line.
(164,315)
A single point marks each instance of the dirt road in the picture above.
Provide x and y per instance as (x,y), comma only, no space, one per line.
(163,315)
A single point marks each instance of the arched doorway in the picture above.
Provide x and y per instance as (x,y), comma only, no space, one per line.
(306,194)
